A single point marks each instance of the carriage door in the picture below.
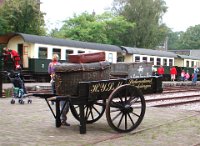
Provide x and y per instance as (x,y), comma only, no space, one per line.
(20,51)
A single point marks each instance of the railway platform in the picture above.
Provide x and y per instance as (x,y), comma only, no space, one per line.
(180,83)
(33,124)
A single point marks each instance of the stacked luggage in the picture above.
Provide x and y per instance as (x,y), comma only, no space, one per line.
(81,68)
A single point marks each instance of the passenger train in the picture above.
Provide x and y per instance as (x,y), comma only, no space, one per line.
(36,53)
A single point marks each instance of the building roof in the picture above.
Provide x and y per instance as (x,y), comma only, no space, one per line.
(4,39)
(151,52)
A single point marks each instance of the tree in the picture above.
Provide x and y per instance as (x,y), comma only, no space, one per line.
(23,16)
(147,14)
(191,38)
(174,40)
(105,28)
(3,26)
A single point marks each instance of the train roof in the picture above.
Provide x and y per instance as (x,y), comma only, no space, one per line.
(187,57)
(60,42)
(143,51)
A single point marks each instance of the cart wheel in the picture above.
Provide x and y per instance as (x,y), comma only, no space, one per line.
(125,108)
(93,110)
(12,101)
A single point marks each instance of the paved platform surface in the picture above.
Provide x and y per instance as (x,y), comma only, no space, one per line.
(33,125)
(9,85)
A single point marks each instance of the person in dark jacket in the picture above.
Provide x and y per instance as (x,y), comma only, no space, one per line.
(196,70)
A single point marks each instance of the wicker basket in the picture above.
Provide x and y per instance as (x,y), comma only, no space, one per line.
(70,74)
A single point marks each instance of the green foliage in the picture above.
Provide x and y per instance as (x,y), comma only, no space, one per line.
(147,14)
(105,28)
(3,26)
(22,16)
(174,40)
(191,38)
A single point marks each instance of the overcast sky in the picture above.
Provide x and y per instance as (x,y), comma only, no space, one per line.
(181,13)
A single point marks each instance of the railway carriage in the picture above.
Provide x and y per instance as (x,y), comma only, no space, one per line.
(36,53)
(157,57)
(164,58)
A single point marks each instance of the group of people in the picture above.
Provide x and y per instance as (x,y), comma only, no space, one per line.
(12,55)
(173,72)
(51,70)
(184,75)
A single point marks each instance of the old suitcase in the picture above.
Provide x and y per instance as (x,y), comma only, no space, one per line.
(68,75)
(86,57)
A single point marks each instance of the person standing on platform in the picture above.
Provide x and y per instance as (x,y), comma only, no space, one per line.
(196,70)
(187,76)
(173,73)
(51,71)
(183,75)
(161,71)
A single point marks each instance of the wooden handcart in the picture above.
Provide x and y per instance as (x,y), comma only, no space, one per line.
(122,99)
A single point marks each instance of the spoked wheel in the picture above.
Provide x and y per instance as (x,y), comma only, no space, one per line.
(93,110)
(125,108)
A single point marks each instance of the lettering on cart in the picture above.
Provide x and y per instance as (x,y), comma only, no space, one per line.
(141,83)
(105,86)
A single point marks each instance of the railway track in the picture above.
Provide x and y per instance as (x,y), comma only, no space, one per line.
(171,96)
(181,89)
(176,96)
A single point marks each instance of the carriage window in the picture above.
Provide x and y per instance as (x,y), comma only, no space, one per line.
(144,59)
(152,60)
(187,63)
(67,53)
(42,53)
(158,61)
(79,52)
(170,62)
(110,57)
(57,51)
(137,58)
(165,62)
(192,64)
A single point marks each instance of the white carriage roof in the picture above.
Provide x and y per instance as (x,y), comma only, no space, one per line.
(151,52)
(60,42)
